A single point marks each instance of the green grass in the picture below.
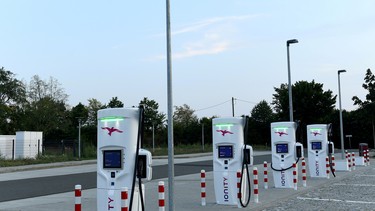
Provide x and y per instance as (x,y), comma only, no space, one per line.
(38,160)
(181,149)
(90,153)
(194,148)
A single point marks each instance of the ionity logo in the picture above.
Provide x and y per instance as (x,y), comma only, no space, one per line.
(111,130)
(224,132)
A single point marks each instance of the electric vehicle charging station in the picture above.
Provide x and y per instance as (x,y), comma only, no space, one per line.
(285,152)
(120,159)
(319,147)
(230,154)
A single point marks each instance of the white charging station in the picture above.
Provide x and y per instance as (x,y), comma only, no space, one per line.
(285,152)
(118,135)
(228,157)
(319,147)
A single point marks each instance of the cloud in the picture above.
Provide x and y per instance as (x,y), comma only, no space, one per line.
(210,36)
(191,51)
(208,22)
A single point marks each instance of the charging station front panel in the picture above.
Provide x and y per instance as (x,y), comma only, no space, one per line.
(228,144)
(283,142)
(116,147)
(317,145)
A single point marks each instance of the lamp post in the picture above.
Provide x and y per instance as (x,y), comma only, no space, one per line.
(341,127)
(170,111)
(202,136)
(79,136)
(289,79)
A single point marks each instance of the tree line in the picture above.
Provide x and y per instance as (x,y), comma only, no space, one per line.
(41,105)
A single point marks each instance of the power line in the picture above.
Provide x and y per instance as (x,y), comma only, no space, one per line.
(213,106)
(245,101)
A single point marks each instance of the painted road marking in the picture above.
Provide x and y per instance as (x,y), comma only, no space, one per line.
(358,185)
(336,200)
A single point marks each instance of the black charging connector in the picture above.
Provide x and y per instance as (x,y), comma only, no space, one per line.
(330,148)
(142,163)
(298,151)
(246,156)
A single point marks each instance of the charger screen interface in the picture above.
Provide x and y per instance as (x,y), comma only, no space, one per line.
(112,159)
(225,151)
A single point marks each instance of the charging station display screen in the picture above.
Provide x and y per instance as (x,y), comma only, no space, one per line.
(112,159)
(281,148)
(226,151)
(316,145)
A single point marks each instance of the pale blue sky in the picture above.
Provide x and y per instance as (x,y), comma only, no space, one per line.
(221,49)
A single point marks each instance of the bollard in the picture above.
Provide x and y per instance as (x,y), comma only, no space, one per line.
(368,157)
(365,157)
(78,194)
(295,176)
(124,199)
(353,161)
(333,164)
(203,187)
(239,196)
(327,167)
(349,161)
(256,188)
(304,177)
(161,196)
(265,173)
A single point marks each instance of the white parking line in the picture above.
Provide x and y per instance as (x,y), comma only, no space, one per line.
(336,200)
(358,185)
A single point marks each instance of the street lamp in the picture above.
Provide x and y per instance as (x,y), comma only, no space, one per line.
(341,127)
(289,80)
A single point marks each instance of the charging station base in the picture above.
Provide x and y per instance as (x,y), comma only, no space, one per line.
(341,165)
(359,161)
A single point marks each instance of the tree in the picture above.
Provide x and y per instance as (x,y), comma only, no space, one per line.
(184,115)
(368,106)
(207,126)
(152,115)
(311,103)
(76,114)
(262,112)
(153,119)
(39,89)
(260,121)
(93,107)
(115,103)
(46,109)
(12,97)
(186,125)
(48,116)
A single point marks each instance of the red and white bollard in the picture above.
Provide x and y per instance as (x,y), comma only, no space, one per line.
(353,161)
(304,177)
(161,196)
(239,195)
(295,176)
(265,175)
(365,156)
(203,187)
(368,157)
(124,199)
(333,164)
(78,194)
(256,188)
(349,160)
(327,167)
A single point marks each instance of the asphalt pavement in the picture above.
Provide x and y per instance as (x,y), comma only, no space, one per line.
(353,190)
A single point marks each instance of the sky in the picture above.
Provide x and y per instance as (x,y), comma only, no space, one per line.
(220,49)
